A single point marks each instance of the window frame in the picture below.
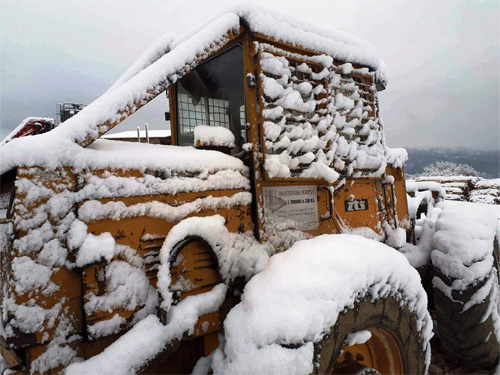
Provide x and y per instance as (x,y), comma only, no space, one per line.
(174,104)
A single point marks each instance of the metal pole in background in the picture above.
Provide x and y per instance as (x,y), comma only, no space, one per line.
(147,132)
(139,134)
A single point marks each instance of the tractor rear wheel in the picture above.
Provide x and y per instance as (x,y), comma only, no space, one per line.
(393,348)
(467,328)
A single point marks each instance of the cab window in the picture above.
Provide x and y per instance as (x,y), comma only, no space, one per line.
(212,94)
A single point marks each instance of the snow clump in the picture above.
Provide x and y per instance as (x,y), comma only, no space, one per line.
(213,136)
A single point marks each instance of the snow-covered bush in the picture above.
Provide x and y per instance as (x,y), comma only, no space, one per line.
(448,168)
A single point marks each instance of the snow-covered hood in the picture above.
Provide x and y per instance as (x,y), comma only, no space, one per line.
(41,151)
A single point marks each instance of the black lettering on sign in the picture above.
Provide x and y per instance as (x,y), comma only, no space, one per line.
(356,205)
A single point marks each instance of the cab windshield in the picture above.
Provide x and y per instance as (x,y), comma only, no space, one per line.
(212,94)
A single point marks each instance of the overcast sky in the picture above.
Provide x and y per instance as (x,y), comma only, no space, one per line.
(443,58)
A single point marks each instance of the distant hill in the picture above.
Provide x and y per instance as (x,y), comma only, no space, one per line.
(483,161)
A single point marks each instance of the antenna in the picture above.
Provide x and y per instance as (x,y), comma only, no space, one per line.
(147,132)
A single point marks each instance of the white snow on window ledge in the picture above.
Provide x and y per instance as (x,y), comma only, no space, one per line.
(213,136)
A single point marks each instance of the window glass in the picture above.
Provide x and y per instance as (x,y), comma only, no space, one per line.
(213,94)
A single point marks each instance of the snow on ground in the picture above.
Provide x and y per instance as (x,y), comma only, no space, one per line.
(299,296)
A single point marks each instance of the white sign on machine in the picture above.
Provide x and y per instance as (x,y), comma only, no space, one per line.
(290,207)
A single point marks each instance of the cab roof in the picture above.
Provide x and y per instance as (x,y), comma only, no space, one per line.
(167,61)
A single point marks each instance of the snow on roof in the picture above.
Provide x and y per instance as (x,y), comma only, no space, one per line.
(140,84)
(133,134)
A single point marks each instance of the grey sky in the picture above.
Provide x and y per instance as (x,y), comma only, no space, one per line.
(443,58)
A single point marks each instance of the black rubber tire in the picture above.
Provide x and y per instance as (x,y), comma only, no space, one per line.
(462,334)
(386,314)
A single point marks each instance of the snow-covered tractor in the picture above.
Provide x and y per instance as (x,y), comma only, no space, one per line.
(238,249)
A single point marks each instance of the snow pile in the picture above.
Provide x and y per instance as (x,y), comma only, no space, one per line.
(213,136)
(320,118)
(395,238)
(422,196)
(149,337)
(300,295)
(237,254)
(106,327)
(57,354)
